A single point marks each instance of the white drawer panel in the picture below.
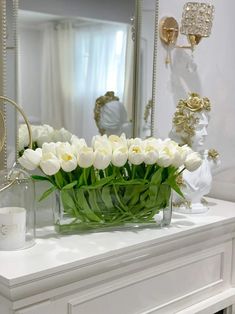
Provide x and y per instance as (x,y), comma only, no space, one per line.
(161,287)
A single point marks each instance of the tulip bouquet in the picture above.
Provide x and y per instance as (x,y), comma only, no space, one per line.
(41,134)
(113,182)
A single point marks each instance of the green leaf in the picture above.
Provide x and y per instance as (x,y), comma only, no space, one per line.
(47,193)
(59,179)
(69,202)
(171,181)
(85,206)
(99,183)
(157,177)
(40,178)
(106,196)
(70,185)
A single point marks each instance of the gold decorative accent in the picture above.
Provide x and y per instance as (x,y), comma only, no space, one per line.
(180,181)
(3,131)
(169,30)
(185,203)
(185,118)
(100,102)
(213,154)
(2,136)
(147,109)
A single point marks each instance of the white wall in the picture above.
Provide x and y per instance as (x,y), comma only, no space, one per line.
(30,67)
(110,10)
(214,78)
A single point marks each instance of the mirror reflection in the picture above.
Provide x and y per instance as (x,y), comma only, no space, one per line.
(67,62)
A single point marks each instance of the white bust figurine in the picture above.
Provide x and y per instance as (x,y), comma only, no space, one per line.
(111,116)
(190,124)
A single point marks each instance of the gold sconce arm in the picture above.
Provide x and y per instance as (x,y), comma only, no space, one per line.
(196,23)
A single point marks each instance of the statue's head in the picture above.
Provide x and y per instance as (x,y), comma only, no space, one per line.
(190,121)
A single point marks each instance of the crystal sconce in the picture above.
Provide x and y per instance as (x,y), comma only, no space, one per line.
(196,23)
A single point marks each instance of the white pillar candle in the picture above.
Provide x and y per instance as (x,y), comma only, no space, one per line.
(12,228)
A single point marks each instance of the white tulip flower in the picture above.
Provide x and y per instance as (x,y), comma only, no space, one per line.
(23,137)
(135,141)
(102,158)
(166,157)
(136,154)
(150,154)
(42,134)
(77,144)
(86,157)
(117,141)
(49,148)
(102,142)
(64,152)
(31,159)
(49,164)
(61,135)
(120,156)
(193,161)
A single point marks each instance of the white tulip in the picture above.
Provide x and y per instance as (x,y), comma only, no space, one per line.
(120,156)
(136,154)
(134,141)
(86,157)
(64,152)
(77,144)
(166,157)
(150,154)
(23,137)
(50,164)
(42,134)
(31,158)
(193,161)
(61,135)
(102,142)
(117,141)
(102,158)
(49,148)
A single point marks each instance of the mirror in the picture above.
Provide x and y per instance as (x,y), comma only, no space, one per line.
(147,36)
(8,73)
(71,53)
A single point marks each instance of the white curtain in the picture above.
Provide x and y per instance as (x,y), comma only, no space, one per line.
(58,97)
(81,63)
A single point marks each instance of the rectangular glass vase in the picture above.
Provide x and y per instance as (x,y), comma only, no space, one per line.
(112,206)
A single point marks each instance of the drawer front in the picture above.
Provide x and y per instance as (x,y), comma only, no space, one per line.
(40,308)
(162,289)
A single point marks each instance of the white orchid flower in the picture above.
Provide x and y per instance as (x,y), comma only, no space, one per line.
(136,154)
(120,156)
(86,157)
(49,164)
(193,161)
(31,159)
(102,158)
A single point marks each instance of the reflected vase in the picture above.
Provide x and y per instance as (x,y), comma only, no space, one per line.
(109,207)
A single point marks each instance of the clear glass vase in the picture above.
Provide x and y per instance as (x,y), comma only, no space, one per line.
(112,206)
(17,212)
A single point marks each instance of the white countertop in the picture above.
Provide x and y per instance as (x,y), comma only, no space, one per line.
(54,253)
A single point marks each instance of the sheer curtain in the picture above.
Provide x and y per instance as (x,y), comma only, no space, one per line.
(81,63)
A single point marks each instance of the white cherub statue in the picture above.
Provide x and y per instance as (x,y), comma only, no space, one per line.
(190,124)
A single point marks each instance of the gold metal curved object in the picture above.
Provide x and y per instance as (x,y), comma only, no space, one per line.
(3,132)
(3,137)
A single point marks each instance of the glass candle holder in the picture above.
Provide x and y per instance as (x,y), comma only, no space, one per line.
(17,211)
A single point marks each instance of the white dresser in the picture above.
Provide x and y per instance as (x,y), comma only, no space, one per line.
(186,268)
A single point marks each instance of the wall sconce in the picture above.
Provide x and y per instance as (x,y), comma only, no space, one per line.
(196,23)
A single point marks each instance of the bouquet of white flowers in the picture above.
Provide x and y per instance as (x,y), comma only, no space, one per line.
(41,134)
(112,182)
